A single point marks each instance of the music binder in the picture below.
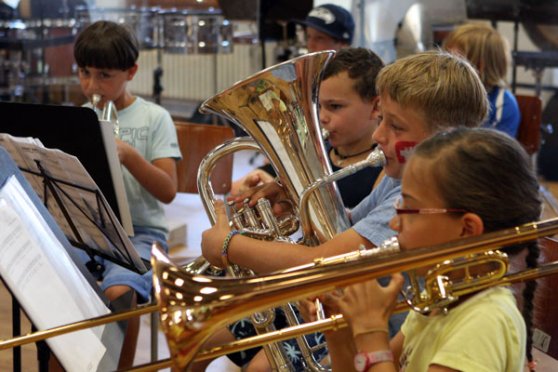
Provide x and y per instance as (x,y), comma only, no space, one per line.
(74,200)
(42,271)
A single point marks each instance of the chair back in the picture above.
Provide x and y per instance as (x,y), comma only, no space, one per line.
(529,131)
(545,301)
(195,141)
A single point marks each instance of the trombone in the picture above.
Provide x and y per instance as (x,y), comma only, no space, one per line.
(193,306)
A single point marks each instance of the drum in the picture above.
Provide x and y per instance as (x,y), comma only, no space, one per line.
(196,32)
(144,22)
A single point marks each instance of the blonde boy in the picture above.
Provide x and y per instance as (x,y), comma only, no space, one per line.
(419,96)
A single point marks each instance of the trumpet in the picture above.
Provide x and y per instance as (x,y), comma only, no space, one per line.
(192,307)
(108,114)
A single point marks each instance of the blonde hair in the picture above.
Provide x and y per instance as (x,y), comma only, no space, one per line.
(485,48)
(443,87)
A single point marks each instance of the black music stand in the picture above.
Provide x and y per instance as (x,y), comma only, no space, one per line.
(74,130)
(76,203)
(113,334)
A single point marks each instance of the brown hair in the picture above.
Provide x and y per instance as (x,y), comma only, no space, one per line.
(488,173)
(485,48)
(106,44)
(445,88)
(362,66)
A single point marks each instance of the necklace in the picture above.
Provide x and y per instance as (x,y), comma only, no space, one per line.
(342,158)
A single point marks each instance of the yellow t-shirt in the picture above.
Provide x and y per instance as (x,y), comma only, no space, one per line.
(484,333)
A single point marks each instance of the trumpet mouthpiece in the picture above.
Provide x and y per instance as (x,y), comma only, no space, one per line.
(95,99)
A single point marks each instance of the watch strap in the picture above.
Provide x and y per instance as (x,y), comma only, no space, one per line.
(364,360)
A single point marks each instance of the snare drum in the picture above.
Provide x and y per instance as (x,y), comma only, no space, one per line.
(196,32)
(143,21)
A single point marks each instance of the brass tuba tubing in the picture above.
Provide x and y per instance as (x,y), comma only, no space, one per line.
(205,304)
(208,164)
(376,158)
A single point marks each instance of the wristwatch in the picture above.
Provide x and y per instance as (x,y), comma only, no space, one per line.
(364,360)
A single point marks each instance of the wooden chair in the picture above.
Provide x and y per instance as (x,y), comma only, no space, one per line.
(546,304)
(195,141)
(529,131)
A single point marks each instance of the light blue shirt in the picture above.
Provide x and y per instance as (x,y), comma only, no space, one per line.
(371,216)
(150,130)
(371,220)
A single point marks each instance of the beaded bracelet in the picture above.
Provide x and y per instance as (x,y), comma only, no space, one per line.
(225,248)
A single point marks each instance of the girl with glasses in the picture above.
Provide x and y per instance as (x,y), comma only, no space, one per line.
(492,188)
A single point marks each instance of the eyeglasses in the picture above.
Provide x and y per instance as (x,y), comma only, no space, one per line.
(399,210)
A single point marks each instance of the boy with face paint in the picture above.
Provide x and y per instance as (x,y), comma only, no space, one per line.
(419,96)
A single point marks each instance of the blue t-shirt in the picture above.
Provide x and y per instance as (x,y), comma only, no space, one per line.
(504,115)
(371,216)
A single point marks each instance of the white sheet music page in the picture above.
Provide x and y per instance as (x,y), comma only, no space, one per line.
(45,280)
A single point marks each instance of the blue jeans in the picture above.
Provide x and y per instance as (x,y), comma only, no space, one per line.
(114,274)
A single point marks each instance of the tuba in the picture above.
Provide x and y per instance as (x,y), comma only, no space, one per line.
(277,107)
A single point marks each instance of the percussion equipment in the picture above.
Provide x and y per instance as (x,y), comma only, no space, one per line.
(144,22)
(193,32)
(36,52)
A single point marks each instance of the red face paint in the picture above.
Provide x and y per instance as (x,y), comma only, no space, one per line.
(404,149)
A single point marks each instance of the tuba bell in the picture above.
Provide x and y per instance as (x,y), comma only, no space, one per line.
(277,107)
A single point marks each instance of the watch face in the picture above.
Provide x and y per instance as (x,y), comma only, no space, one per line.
(360,362)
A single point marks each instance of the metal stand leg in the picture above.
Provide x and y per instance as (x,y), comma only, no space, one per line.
(157,75)
(16,331)
(154,336)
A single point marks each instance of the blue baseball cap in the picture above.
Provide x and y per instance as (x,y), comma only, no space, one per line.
(333,20)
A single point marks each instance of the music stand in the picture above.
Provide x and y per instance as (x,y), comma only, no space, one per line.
(61,181)
(74,130)
(113,335)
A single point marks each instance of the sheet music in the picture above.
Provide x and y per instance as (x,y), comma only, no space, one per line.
(93,223)
(107,131)
(44,279)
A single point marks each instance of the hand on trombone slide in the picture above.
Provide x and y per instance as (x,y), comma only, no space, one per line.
(368,305)
(365,306)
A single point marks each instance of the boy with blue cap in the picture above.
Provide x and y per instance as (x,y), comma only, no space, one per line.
(328,27)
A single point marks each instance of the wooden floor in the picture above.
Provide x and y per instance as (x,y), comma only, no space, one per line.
(29,352)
